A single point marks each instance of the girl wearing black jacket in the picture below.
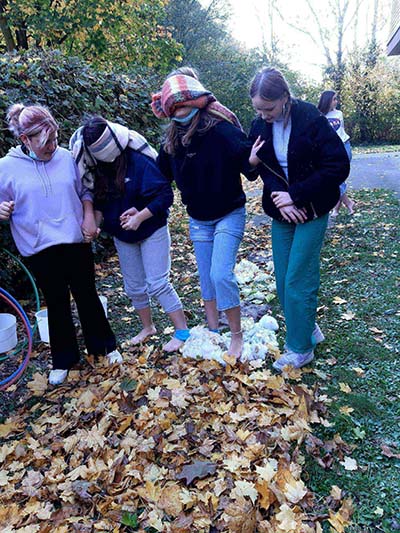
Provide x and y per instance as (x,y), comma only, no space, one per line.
(205,151)
(132,197)
(302,162)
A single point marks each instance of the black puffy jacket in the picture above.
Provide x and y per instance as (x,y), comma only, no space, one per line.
(317,162)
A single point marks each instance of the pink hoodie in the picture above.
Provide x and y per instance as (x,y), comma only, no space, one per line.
(48,199)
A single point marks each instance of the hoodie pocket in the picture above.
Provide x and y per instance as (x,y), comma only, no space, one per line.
(58,231)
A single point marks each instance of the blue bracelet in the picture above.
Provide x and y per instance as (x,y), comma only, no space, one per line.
(213,330)
(182,334)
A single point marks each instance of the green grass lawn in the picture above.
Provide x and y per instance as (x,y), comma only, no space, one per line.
(359,314)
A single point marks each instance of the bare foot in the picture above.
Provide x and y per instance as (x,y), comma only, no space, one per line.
(350,207)
(173,345)
(144,334)
(236,345)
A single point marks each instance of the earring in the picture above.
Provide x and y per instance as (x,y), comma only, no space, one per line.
(284,109)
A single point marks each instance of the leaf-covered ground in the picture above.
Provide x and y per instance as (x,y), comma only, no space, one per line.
(163,443)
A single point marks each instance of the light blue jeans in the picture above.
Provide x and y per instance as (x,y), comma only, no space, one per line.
(343,186)
(145,267)
(296,252)
(216,244)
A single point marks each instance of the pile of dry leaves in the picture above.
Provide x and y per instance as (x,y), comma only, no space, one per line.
(172,444)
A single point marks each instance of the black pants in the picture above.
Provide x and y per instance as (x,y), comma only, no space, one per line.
(61,270)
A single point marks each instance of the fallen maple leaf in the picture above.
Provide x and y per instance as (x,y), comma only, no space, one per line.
(39,384)
(344,387)
(349,463)
(245,488)
(388,452)
(198,469)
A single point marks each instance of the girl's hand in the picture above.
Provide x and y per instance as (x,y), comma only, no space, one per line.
(292,214)
(6,210)
(131,222)
(254,160)
(281,199)
(129,212)
(89,227)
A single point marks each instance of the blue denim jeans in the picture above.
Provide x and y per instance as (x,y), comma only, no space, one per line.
(343,186)
(216,244)
(296,252)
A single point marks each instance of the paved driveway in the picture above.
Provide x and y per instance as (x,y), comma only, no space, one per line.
(376,171)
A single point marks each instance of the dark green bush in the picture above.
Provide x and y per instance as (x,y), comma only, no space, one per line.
(72,89)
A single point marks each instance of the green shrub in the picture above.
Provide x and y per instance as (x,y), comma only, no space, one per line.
(72,89)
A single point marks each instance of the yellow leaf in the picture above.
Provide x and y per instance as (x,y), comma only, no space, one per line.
(39,384)
(344,387)
(346,410)
(286,519)
(338,300)
(348,316)
(336,493)
(295,491)
(245,488)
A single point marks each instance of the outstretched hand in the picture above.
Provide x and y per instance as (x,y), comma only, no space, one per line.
(254,160)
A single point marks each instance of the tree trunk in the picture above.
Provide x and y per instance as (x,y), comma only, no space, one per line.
(22,39)
(5,29)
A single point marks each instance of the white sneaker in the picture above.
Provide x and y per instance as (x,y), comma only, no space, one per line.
(57,376)
(294,359)
(114,357)
(317,334)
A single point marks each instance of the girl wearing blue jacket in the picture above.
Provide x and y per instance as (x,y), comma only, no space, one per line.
(133,197)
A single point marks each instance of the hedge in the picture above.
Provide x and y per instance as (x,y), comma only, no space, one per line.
(72,89)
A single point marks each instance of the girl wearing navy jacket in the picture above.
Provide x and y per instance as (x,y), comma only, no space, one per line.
(205,151)
(133,197)
(302,162)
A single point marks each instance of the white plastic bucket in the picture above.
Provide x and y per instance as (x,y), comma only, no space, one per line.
(43,325)
(8,332)
(103,300)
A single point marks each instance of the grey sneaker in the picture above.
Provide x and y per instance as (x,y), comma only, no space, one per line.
(317,334)
(295,359)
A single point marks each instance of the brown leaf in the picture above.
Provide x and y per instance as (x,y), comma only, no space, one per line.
(388,452)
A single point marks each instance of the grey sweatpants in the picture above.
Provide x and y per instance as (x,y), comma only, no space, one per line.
(145,267)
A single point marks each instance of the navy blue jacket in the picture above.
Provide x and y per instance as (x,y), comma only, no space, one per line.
(145,186)
(207,172)
(317,162)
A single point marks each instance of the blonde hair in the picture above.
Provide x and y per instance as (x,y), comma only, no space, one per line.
(31,120)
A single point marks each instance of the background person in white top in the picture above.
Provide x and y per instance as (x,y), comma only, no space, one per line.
(327,105)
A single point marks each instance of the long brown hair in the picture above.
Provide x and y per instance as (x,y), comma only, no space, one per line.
(270,84)
(325,101)
(176,135)
(110,177)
